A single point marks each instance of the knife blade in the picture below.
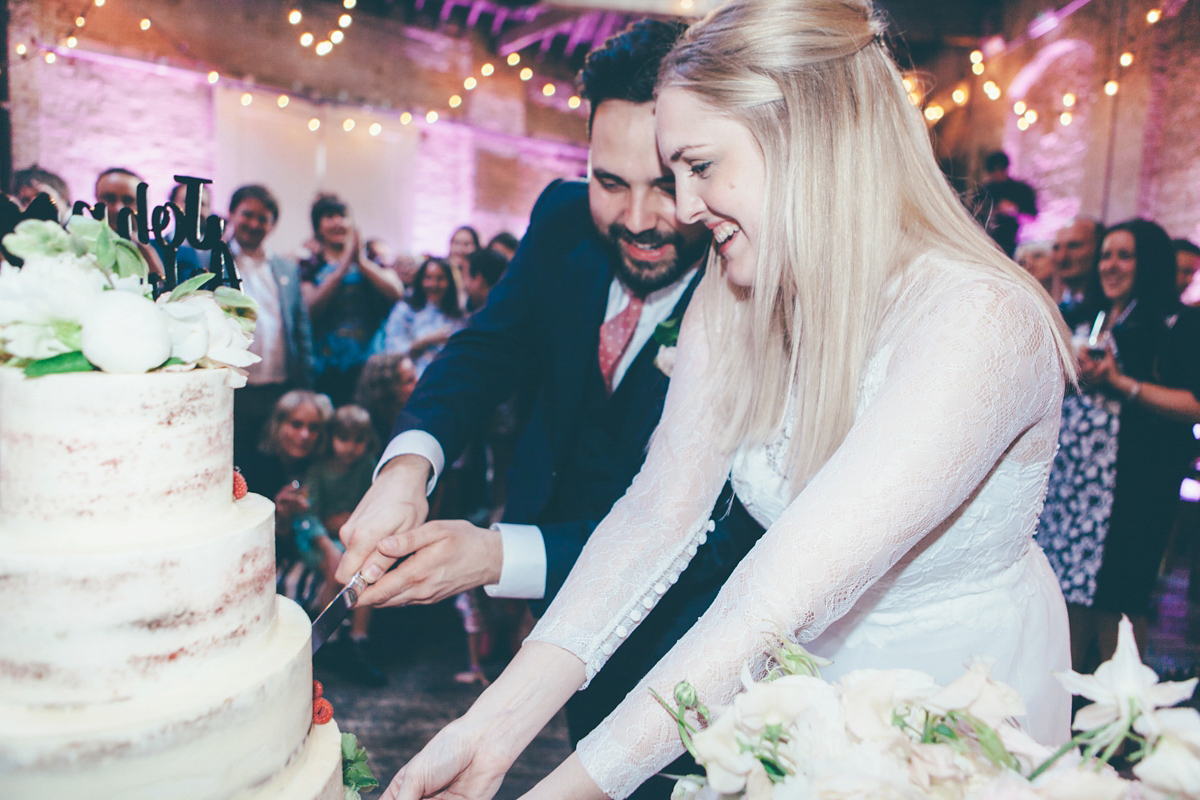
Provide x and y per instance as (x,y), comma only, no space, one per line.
(336,612)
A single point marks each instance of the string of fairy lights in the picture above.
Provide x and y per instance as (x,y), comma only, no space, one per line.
(322,47)
(995,48)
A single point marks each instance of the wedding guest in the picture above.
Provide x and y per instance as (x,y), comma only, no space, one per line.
(1075,248)
(282,335)
(116,187)
(484,268)
(1035,258)
(384,386)
(1003,202)
(378,252)
(28,183)
(421,324)
(1125,440)
(505,244)
(1187,259)
(290,443)
(335,484)
(348,296)
(463,242)
(188,260)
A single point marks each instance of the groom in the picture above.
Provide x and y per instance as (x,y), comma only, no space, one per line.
(569,328)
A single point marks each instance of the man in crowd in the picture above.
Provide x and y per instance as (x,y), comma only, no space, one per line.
(28,183)
(603,262)
(1002,202)
(282,335)
(1076,246)
(484,268)
(1187,259)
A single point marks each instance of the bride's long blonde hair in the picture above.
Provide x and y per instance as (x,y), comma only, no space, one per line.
(853,194)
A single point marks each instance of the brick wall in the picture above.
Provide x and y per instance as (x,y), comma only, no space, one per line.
(141,100)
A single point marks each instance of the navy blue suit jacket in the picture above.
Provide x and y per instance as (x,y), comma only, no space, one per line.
(537,337)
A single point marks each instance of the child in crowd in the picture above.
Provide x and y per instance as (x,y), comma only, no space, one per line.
(335,484)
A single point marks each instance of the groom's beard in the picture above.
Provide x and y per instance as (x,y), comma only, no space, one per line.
(643,277)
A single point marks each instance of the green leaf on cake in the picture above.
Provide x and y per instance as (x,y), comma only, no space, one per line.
(129,260)
(69,333)
(190,285)
(356,774)
(64,362)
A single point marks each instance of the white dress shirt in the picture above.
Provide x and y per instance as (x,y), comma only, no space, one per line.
(268,344)
(523,567)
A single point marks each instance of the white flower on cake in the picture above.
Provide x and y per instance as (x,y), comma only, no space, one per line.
(125,332)
(897,734)
(81,301)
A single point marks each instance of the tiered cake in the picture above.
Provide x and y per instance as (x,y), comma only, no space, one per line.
(143,650)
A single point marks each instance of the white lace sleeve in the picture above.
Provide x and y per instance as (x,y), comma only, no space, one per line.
(965,380)
(651,534)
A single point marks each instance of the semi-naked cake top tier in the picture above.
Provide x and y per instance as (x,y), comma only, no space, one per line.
(129,453)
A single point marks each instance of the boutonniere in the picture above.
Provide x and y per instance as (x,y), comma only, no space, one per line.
(666,334)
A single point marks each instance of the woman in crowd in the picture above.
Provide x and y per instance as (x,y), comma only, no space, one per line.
(291,441)
(422,323)
(347,295)
(854,327)
(1125,440)
(386,383)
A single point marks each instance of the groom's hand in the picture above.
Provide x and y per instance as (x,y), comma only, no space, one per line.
(395,503)
(441,559)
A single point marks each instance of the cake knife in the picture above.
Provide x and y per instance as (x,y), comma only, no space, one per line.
(336,612)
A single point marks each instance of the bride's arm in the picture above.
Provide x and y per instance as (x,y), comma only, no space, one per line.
(961,386)
(631,557)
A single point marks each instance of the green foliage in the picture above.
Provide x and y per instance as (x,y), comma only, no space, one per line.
(64,362)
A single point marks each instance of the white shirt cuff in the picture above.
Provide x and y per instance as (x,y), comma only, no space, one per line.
(523,568)
(419,443)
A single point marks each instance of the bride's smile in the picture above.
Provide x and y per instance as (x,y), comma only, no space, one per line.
(720,177)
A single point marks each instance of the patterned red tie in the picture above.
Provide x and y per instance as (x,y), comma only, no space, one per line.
(615,336)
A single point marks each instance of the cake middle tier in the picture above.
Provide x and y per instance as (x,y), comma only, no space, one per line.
(96,623)
(218,735)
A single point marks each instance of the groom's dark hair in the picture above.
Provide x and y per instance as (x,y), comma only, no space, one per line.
(626,66)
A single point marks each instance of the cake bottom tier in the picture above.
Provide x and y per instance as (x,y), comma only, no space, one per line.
(234,728)
(315,775)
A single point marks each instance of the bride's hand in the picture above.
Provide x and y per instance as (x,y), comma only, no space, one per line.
(458,764)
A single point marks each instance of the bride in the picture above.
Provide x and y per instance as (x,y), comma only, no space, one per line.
(882,382)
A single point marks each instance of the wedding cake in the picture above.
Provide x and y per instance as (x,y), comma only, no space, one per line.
(144,653)
(143,650)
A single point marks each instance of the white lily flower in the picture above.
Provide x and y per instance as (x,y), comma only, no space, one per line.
(1122,689)
(1174,764)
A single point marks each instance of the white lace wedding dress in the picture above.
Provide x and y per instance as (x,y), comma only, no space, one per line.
(912,546)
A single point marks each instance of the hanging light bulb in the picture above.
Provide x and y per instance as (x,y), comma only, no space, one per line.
(486,70)
(976,56)
(1153,15)
(977,69)
(1023,124)
(336,37)
(1126,59)
(959,96)
(348,125)
(294,16)
(213,77)
(526,73)
(455,101)
(349,4)
(548,90)
(405,118)
(573,101)
(247,98)
(1111,88)
(513,59)
(344,21)
(51,58)
(375,129)
(1066,117)
(144,24)
(72,41)
(282,101)
(1019,107)
(99,3)
(306,39)
(1031,116)
(431,117)
(1069,100)
(314,123)
(22,49)
(324,47)
(470,83)
(80,22)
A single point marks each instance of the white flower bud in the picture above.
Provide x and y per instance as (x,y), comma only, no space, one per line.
(125,333)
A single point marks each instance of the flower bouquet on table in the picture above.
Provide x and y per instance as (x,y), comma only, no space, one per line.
(897,734)
(83,301)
